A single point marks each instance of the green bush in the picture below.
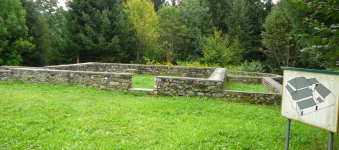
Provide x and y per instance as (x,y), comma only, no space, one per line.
(254,66)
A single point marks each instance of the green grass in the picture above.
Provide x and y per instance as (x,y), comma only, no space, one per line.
(246,87)
(143,81)
(239,75)
(44,116)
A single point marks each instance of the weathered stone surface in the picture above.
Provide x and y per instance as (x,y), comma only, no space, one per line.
(199,72)
(100,75)
(272,85)
(253,97)
(191,86)
(246,80)
(256,74)
(102,80)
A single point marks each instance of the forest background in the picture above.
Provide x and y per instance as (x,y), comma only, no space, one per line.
(257,35)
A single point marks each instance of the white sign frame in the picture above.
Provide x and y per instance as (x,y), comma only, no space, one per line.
(311,97)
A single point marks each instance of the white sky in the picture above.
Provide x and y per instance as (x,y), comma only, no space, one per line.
(62,3)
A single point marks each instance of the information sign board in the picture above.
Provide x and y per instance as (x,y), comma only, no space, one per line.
(311,97)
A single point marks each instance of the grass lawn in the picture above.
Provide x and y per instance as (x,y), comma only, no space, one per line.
(143,81)
(45,116)
(246,87)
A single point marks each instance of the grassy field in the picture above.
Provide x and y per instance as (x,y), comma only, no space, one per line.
(44,116)
(246,87)
(143,81)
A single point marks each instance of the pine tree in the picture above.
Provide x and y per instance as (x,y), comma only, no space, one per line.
(95,30)
(197,19)
(238,25)
(219,10)
(13,32)
(74,26)
(39,31)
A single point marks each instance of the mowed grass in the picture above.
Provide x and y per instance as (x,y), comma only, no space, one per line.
(246,87)
(143,81)
(45,116)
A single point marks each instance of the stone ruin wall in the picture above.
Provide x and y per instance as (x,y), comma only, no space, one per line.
(104,76)
(256,79)
(183,86)
(198,72)
(101,80)
(272,85)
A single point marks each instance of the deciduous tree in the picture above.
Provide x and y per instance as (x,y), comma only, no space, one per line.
(13,32)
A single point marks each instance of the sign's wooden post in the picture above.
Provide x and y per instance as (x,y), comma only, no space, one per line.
(311,97)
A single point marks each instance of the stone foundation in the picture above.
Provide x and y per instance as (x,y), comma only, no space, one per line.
(198,72)
(101,80)
(253,97)
(213,86)
(5,75)
(272,85)
(110,76)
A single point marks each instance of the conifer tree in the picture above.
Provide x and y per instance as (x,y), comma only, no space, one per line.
(38,29)
(197,19)
(95,30)
(238,25)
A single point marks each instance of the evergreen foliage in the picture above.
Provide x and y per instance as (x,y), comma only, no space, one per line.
(38,29)
(95,30)
(217,50)
(197,19)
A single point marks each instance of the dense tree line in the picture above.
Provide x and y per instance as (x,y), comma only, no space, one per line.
(226,32)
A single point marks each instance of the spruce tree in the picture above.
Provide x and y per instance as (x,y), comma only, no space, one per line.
(197,19)
(96,31)
(238,25)
(39,31)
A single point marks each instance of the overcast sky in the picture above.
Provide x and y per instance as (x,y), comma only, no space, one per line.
(62,3)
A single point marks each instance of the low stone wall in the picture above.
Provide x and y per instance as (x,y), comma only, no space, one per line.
(272,85)
(198,72)
(258,79)
(102,80)
(245,80)
(5,75)
(256,74)
(253,97)
(183,86)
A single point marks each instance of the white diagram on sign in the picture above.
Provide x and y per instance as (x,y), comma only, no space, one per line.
(308,95)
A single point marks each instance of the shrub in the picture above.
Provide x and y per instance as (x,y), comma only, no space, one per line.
(254,66)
